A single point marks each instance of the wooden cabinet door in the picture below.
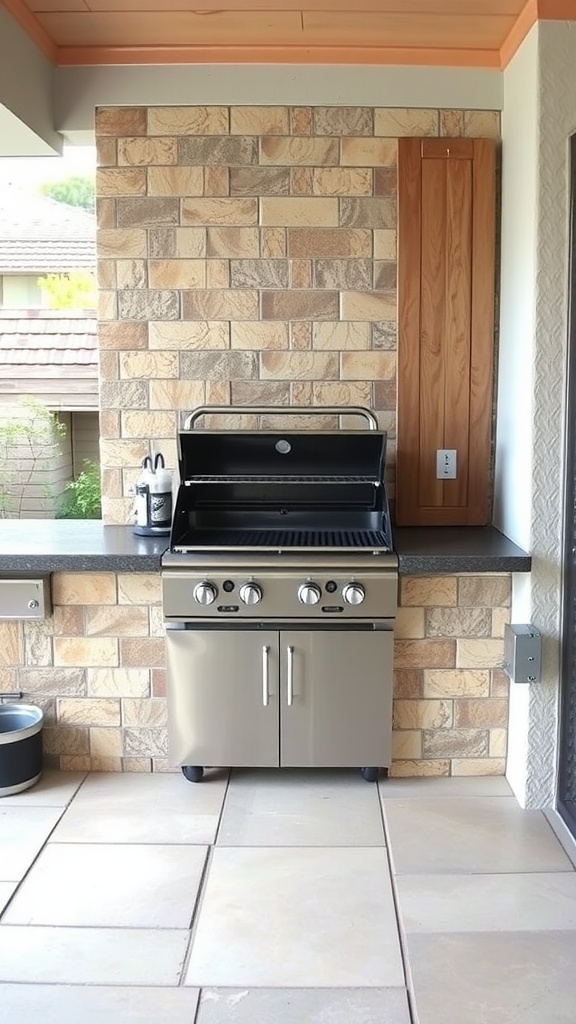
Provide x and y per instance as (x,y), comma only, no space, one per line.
(446,231)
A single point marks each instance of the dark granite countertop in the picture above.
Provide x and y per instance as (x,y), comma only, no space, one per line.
(76,545)
(60,545)
(447,549)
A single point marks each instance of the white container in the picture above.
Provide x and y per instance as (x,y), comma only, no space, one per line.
(153,505)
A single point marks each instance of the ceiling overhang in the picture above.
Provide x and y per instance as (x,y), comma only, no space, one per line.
(449,33)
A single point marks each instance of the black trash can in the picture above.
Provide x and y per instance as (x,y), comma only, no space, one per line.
(20,747)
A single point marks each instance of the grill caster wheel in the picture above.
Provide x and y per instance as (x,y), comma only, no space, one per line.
(368,774)
(192,772)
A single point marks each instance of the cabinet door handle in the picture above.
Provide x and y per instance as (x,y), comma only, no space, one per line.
(265,675)
(290,677)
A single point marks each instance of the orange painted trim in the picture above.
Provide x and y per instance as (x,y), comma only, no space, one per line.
(68,56)
(520,29)
(32,27)
(556,10)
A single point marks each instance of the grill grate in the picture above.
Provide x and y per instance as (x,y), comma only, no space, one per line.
(310,539)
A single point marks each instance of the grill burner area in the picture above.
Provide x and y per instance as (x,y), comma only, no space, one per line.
(306,539)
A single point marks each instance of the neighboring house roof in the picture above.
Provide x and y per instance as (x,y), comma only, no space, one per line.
(41,236)
(49,353)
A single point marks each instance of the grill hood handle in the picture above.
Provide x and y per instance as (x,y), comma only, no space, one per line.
(292,410)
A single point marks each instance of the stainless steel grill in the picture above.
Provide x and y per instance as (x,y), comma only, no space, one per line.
(279,594)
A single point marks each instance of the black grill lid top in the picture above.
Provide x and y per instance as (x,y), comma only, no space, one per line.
(278,454)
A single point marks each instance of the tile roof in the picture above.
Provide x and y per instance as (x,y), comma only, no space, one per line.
(48,338)
(40,235)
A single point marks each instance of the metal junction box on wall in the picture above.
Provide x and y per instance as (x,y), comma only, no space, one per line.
(522,653)
(25,598)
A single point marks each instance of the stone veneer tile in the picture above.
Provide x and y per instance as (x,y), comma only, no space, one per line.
(301,180)
(105,748)
(126,394)
(218,365)
(177,273)
(159,304)
(218,274)
(259,121)
(83,588)
(341,336)
(131,273)
(408,683)
(349,274)
(309,365)
(121,453)
(229,150)
(385,244)
(11,643)
(222,304)
(175,181)
(120,121)
(499,683)
(299,305)
(54,682)
(259,273)
(423,714)
(128,243)
(342,181)
(333,243)
(233,242)
(343,120)
(112,620)
(176,394)
(394,122)
(158,425)
(235,212)
(479,653)
(150,712)
(68,620)
(429,653)
(341,393)
(139,588)
(472,622)
(369,152)
(148,211)
(385,274)
(456,682)
(308,151)
(259,335)
(301,273)
(419,769)
(260,393)
(498,743)
(148,365)
(385,181)
(368,365)
(407,744)
(216,180)
(385,399)
(106,212)
(71,740)
(121,181)
(83,651)
(488,713)
(203,334)
(455,743)
(297,211)
(478,766)
(145,742)
(259,181)
(365,212)
(142,653)
(106,152)
(484,591)
(368,305)
(301,121)
(428,590)
(409,623)
(86,711)
(500,617)
(118,682)
(145,152)
(482,124)
(188,120)
(106,274)
(301,341)
(451,123)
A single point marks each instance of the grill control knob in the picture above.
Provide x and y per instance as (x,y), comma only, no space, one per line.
(250,593)
(205,593)
(353,593)
(309,593)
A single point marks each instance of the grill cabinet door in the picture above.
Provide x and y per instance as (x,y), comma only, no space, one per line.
(336,698)
(218,711)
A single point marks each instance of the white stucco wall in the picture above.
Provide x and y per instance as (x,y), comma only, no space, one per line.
(26,95)
(533,336)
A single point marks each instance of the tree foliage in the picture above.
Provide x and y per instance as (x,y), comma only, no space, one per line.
(76,190)
(76,290)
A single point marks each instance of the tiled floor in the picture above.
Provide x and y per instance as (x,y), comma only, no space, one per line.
(282,898)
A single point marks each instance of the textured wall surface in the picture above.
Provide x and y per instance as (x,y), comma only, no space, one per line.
(247,255)
(97,669)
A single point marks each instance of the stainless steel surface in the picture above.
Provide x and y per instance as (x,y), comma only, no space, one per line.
(281,587)
(250,593)
(265,675)
(205,593)
(289,676)
(254,410)
(25,598)
(353,593)
(309,593)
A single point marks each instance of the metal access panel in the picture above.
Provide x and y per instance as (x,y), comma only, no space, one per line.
(522,653)
(25,598)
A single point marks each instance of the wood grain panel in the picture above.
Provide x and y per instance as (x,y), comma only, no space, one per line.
(446,213)
(399,29)
(181,28)
(461,8)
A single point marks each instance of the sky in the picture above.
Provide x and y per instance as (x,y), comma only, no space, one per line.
(29,172)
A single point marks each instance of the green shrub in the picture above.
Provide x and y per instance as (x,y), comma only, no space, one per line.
(81,498)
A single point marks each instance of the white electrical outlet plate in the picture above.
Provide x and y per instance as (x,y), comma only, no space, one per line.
(446,463)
